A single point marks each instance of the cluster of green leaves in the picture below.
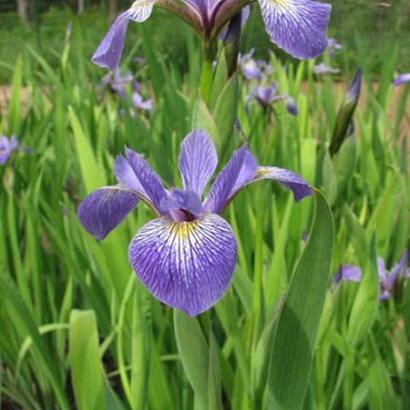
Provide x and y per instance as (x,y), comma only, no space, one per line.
(80,331)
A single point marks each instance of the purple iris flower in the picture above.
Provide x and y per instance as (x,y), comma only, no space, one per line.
(322,68)
(138,100)
(333,46)
(186,256)
(267,96)
(253,69)
(297,26)
(387,279)
(116,81)
(348,273)
(7,147)
(402,79)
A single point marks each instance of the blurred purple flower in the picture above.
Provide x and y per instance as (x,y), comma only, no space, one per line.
(7,147)
(138,100)
(253,69)
(116,82)
(348,273)
(402,79)
(322,68)
(140,103)
(387,279)
(186,256)
(297,26)
(267,96)
(333,46)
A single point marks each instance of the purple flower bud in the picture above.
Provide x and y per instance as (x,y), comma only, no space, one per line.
(402,79)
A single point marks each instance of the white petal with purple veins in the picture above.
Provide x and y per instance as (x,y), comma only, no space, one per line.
(186,265)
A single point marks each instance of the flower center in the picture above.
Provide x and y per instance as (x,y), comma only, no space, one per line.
(182,206)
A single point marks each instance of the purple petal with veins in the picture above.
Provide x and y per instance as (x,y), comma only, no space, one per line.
(186,265)
(297,26)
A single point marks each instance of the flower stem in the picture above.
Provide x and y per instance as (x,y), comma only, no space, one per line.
(205,84)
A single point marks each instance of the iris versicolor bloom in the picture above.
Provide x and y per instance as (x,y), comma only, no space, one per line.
(333,46)
(322,68)
(138,100)
(116,81)
(186,256)
(297,26)
(387,279)
(402,79)
(266,96)
(348,273)
(253,69)
(7,147)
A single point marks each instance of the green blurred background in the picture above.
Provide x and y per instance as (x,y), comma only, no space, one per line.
(366,28)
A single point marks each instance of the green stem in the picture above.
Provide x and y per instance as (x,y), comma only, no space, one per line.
(206,72)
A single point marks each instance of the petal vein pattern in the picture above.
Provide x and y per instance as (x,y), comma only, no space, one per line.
(187,265)
(297,26)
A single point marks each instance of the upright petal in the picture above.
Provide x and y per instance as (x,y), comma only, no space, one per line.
(102,210)
(148,180)
(186,265)
(397,270)
(109,52)
(299,187)
(225,182)
(197,161)
(381,268)
(297,26)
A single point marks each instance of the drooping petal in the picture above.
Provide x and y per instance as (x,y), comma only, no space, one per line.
(297,26)
(109,51)
(225,182)
(147,178)
(350,273)
(140,103)
(102,210)
(402,79)
(299,187)
(186,265)
(197,161)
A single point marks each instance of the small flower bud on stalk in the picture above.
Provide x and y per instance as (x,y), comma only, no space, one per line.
(232,43)
(345,113)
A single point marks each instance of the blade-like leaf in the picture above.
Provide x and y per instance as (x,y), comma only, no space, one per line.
(86,374)
(294,343)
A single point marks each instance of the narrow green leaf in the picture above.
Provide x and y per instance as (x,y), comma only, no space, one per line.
(294,343)
(194,354)
(366,302)
(92,174)
(86,368)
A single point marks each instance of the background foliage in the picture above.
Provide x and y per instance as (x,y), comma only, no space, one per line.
(79,331)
